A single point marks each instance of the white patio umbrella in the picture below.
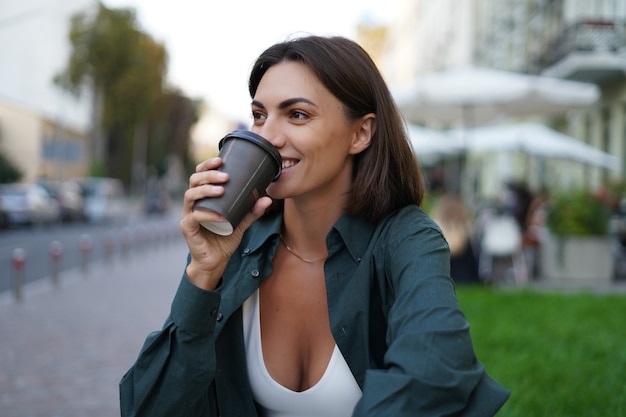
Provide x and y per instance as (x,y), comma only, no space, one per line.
(433,146)
(476,95)
(430,143)
(473,96)
(536,139)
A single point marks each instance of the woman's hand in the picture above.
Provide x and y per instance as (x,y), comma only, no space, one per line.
(210,252)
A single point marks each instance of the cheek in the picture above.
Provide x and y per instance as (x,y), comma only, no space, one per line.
(333,153)
(329,164)
(329,161)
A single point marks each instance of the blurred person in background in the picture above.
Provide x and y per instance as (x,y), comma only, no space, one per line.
(456,223)
(337,300)
(535,230)
(517,198)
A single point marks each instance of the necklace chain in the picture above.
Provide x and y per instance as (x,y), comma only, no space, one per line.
(291,251)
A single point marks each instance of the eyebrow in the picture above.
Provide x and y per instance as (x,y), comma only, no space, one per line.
(285,104)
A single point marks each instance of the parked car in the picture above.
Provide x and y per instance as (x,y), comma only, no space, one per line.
(69,196)
(104,198)
(28,204)
(156,202)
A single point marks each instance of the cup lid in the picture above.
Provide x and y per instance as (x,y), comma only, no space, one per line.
(259,141)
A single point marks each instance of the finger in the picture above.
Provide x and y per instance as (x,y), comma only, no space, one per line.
(211,163)
(202,191)
(192,220)
(259,208)
(207,177)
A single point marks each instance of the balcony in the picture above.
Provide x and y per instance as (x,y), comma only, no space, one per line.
(590,51)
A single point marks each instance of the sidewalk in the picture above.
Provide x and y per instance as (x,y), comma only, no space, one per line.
(63,350)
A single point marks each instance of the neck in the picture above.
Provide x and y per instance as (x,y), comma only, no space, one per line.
(306,227)
(295,253)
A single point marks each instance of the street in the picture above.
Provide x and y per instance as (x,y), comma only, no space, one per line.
(60,247)
(67,343)
(64,350)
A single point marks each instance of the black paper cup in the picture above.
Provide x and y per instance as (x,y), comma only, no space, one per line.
(252,163)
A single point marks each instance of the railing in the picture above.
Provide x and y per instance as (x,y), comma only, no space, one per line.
(584,36)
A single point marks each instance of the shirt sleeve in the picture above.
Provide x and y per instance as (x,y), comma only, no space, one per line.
(173,374)
(430,368)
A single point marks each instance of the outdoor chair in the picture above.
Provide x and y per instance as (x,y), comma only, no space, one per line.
(501,238)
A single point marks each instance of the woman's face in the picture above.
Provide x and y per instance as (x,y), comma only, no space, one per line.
(308,125)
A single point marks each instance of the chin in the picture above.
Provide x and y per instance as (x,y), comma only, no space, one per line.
(276,193)
(273,192)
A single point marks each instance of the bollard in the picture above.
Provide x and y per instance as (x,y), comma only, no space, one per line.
(174,233)
(166,236)
(153,233)
(18,260)
(142,237)
(109,248)
(152,236)
(126,242)
(85,246)
(56,253)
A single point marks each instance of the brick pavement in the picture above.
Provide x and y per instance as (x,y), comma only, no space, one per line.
(63,350)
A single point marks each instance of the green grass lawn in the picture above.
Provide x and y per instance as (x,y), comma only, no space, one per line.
(558,354)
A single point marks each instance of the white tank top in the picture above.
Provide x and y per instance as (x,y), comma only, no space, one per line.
(334,395)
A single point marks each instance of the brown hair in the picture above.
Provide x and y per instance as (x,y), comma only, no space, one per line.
(386,175)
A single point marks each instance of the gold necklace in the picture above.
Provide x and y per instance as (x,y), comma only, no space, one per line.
(291,251)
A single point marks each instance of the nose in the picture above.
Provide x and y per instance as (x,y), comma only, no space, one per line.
(270,131)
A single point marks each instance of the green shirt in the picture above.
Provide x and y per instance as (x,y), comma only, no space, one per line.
(393,313)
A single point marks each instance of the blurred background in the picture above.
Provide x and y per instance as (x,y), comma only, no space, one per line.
(516,110)
(507,103)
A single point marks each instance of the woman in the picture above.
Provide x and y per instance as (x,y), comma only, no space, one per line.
(336,302)
(456,222)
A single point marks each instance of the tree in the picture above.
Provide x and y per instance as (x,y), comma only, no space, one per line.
(8,171)
(170,127)
(124,68)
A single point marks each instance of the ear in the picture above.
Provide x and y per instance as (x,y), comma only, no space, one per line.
(364,130)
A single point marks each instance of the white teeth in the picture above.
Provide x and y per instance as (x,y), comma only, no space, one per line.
(288,164)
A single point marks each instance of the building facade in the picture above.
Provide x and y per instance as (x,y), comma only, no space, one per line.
(40,147)
(580,40)
(43,130)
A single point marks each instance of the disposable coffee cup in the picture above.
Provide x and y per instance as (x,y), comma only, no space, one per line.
(252,163)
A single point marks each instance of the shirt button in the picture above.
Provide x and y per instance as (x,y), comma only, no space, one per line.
(246,251)
(255,273)
(219,317)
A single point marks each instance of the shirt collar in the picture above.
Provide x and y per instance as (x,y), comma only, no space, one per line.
(355,234)
(262,230)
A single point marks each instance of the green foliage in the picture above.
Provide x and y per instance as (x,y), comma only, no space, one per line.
(560,355)
(577,213)
(111,55)
(8,171)
(169,128)
(96,169)
(126,67)
(614,191)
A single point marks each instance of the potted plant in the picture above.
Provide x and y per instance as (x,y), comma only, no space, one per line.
(578,245)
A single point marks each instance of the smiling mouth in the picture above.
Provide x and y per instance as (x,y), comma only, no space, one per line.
(288,163)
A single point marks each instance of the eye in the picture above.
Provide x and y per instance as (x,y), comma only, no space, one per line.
(257,116)
(298,115)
